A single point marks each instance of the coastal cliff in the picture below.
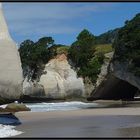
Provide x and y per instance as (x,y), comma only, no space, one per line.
(58,80)
(122,80)
(60,71)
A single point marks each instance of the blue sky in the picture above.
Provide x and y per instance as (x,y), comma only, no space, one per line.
(63,21)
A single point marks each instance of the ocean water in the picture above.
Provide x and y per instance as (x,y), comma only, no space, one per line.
(60,106)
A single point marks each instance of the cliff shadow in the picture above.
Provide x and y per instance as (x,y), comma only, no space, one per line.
(113,88)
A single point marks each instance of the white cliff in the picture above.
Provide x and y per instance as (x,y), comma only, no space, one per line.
(4,34)
(10,65)
(60,79)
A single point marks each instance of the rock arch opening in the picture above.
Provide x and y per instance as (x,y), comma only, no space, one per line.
(114,89)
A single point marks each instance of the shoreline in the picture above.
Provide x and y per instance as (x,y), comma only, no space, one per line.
(98,122)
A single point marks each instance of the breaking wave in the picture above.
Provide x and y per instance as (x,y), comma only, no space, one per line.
(65,106)
(8,131)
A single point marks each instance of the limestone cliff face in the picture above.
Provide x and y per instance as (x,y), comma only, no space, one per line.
(4,34)
(10,65)
(58,80)
(31,88)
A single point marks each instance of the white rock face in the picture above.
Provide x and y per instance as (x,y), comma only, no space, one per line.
(60,79)
(32,88)
(10,65)
(4,34)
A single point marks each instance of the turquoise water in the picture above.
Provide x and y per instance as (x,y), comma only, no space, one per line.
(65,106)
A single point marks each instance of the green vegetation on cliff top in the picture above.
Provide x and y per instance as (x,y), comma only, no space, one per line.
(127,45)
(87,52)
(86,55)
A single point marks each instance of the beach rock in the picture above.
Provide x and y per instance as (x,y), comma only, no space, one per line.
(10,65)
(3,110)
(14,107)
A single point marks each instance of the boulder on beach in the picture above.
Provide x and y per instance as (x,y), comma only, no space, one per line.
(14,107)
(2,110)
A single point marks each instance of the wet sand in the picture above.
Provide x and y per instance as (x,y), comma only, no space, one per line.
(99,122)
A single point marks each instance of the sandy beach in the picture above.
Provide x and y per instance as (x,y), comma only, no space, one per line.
(98,122)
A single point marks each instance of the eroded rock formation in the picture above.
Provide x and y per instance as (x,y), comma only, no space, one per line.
(122,80)
(117,83)
(113,88)
(10,65)
(58,81)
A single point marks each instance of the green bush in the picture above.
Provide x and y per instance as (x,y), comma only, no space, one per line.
(81,50)
(127,44)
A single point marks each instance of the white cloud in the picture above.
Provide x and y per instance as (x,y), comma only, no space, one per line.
(52,10)
(50,18)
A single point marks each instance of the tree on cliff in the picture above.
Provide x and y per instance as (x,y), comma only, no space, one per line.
(81,50)
(35,54)
(127,45)
(82,55)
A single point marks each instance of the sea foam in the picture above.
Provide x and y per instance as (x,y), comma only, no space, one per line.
(8,131)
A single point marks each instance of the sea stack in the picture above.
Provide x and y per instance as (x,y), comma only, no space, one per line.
(10,65)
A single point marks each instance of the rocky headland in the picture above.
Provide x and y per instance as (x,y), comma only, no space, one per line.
(122,80)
